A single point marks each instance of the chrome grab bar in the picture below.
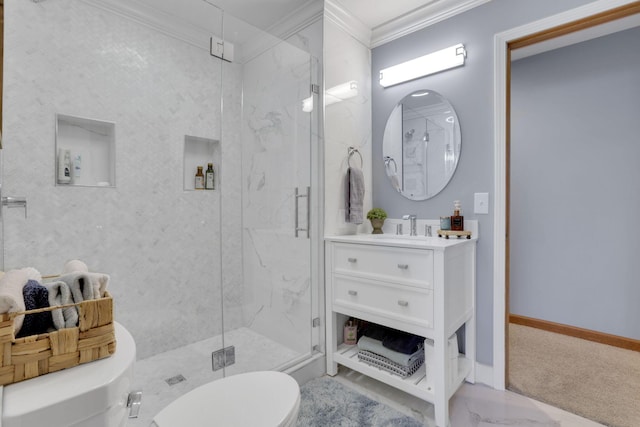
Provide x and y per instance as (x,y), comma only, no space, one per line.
(297,222)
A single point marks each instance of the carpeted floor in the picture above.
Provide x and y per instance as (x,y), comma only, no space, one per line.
(596,381)
(326,403)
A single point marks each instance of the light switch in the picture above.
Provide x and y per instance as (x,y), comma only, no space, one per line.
(481,203)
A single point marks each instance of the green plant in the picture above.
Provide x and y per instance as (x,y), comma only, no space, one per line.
(376,213)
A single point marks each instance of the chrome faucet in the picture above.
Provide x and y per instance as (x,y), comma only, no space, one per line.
(412,226)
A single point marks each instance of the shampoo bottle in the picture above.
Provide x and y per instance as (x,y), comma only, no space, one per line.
(199,182)
(209,178)
(64,166)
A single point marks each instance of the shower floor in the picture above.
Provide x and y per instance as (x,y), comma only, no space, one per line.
(253,352)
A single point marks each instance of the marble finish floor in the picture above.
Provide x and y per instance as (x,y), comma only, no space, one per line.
(474,405)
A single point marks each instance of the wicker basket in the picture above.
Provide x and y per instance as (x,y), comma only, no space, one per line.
(35,355)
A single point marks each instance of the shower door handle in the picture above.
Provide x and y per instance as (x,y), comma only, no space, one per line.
(297,211)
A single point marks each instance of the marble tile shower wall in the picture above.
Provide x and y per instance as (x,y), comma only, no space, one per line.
(159,243)
(276,159)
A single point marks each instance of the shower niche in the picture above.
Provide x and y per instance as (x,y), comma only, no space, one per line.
(199,151)
(85,152)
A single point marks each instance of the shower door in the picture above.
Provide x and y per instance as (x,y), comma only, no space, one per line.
(267,240)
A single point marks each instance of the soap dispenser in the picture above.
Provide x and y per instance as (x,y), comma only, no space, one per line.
(457,220)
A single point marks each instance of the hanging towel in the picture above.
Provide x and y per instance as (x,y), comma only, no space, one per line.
(354,196)
(35,296)
(11,298)
(86,286)
(59,294)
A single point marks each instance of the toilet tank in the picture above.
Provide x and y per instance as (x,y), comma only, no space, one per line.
(89,395)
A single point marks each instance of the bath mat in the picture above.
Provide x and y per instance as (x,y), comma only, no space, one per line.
(326,403)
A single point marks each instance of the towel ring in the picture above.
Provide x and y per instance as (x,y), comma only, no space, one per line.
(351,152)
(388,160)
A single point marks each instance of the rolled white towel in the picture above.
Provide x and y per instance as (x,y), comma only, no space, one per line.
(59,294)
(75,266)
(11,297)
(86,286)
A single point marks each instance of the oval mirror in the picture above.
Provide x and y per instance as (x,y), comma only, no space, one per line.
(421,145)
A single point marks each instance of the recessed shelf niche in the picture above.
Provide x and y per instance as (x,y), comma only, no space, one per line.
(199,151)
(91,146)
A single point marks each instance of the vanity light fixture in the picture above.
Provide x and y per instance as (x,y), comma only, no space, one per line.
(441,60)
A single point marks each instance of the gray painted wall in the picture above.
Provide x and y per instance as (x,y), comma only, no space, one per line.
(470,91)
(575,157)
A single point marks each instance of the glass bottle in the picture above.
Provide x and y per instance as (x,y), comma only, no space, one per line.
(199,183)
(457,220)
(209,181)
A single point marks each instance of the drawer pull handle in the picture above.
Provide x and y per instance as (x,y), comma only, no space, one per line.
(403,303)
(403,266)
(353,293)
(352,260)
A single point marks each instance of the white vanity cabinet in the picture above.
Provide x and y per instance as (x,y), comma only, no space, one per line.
(425,287)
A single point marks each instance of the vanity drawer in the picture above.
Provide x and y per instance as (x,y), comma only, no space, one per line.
(388,300)
(413,267)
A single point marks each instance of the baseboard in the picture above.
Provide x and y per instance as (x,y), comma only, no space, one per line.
(573,331)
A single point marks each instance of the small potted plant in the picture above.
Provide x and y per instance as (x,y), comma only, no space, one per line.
(377,217)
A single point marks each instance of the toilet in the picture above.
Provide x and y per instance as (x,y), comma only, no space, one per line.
(93,394)
(263,398)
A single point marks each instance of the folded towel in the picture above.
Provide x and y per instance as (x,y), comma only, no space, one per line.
(354,196)
(35,296)
(403,342)
(75,266)
(59,294)
(11,298)
(375,346)
(86,286)
(377,332)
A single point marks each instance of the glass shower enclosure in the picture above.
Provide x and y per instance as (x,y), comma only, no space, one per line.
(209,282)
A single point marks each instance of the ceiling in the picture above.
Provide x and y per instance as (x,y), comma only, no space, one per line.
(264,14)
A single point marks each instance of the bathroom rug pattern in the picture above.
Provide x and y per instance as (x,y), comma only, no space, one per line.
(327,403)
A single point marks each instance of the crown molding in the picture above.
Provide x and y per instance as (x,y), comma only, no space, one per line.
(302,17)
(420,18)
(156,19)
(340,16)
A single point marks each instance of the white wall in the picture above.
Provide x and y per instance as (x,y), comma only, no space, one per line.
(346,124)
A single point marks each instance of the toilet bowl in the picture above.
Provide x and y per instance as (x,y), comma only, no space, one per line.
(93,394)
(264,398)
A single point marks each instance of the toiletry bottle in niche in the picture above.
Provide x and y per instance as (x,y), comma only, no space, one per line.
(457,220)
(209,178)
(199,183)
(350,333)
(64,166)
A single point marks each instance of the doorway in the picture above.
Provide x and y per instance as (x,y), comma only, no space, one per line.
(533,36)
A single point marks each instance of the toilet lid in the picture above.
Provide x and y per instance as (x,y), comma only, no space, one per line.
(263,398)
